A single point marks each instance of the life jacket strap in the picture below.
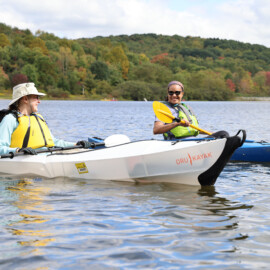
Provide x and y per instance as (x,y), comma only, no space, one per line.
(37,118)
(27,136)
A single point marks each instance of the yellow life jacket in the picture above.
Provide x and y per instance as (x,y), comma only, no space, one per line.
(32,131)
(184,112)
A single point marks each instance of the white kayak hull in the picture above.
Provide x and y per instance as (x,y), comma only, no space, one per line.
(139,161)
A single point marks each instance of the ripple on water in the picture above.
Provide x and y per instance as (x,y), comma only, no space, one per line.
(66,223)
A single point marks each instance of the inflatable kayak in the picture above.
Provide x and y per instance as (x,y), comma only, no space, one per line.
(252,151)
(183,162)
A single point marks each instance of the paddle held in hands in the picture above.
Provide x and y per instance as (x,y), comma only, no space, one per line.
(164,114)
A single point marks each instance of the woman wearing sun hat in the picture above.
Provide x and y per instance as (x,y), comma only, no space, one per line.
(23,129)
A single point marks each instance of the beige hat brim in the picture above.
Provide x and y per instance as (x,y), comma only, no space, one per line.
(24,89)
(16,99)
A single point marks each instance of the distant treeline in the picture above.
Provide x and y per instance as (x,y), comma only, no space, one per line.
(133,67)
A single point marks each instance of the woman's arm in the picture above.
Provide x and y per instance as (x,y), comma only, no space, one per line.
(62,143)
(7,127)
(160,127)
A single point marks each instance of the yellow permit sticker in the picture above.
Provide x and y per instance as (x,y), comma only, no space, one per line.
(81,167)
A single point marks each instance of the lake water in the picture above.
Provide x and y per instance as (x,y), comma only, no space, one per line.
(75,224)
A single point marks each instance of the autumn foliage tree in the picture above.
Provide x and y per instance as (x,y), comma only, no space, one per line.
(4,41)
(230,84)
(211,69)
(38,43)
(117,56)
(267,78)
(162,59)
(19,78)
(4,80)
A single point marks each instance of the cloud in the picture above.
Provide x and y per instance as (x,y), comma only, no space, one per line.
(245,21)
(229,19)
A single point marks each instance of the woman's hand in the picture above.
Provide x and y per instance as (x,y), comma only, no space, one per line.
(184,123)
(160,127)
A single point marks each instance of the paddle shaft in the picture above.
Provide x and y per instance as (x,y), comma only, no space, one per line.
(49,150)
(183,122)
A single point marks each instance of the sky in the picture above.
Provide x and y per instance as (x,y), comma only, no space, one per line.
(241,20)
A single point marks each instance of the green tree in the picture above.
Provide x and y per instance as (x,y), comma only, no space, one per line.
(31,72)
(46,71)
(4,41)
(76,47)
(74,83)
(246,84)
(63,83)
(135,90)
(64,43)
(89,82)
(210,69)
(259,83)
(52,45)
(208,85)
(100,70)
(117,56)
(103,88)
(4,80)
(67,60)
(38,43)
(5,60)
(115,76)
(152,73)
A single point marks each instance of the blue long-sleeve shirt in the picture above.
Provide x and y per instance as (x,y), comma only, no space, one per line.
(8,126)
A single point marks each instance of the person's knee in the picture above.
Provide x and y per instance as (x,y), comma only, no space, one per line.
(221,134)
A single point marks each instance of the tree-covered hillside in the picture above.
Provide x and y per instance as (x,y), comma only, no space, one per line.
(133,67)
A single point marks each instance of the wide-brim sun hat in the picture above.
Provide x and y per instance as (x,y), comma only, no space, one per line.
(24,89)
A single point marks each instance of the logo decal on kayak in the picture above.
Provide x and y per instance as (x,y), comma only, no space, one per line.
(81,167)
(193,158)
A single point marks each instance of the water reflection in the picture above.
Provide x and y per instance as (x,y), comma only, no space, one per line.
(99,224)
(30,200)
(115,221)
(198,211)
(217,203)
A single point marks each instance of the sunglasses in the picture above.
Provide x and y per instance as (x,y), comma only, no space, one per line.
(34,96)
(174,92)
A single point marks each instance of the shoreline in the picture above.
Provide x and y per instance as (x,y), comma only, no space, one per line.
(252,99)
(80,98)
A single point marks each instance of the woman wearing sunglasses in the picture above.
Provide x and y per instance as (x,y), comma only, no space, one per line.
(180,110)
